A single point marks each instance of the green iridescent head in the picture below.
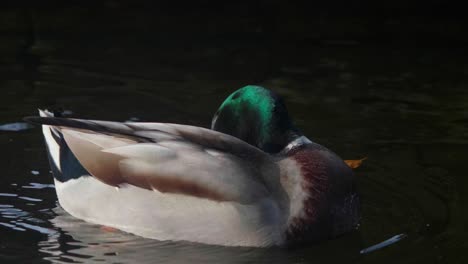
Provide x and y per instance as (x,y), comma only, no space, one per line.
(257,116)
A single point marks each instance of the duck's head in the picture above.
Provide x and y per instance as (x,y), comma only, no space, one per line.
(258,116)
(320,187)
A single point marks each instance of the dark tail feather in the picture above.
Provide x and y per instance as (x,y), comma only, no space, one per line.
(63,163)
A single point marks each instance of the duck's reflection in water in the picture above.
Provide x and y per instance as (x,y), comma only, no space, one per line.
(78,241)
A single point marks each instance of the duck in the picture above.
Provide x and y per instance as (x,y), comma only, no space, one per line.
(251,180)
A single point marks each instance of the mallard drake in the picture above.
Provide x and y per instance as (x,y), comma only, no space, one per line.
(252,180)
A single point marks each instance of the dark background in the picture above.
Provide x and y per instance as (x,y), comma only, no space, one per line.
(385,22)
(248,40)
(232,43)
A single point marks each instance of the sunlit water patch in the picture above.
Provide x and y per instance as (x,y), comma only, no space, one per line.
(15,127)
(21,211)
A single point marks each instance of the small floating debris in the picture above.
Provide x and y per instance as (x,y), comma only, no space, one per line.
(15,127)
(383,244)
(35,172)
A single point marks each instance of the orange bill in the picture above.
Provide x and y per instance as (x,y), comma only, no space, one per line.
(353,164)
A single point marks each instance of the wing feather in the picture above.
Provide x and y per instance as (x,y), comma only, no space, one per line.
(167,157)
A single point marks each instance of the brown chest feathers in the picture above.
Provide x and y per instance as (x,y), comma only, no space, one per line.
(322,193)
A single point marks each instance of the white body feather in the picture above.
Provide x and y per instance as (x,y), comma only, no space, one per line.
(165,216)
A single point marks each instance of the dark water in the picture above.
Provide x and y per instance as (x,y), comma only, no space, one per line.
(404,106)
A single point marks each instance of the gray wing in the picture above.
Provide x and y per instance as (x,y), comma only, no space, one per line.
(167,158)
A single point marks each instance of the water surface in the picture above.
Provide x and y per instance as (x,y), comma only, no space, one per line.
(404,107)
